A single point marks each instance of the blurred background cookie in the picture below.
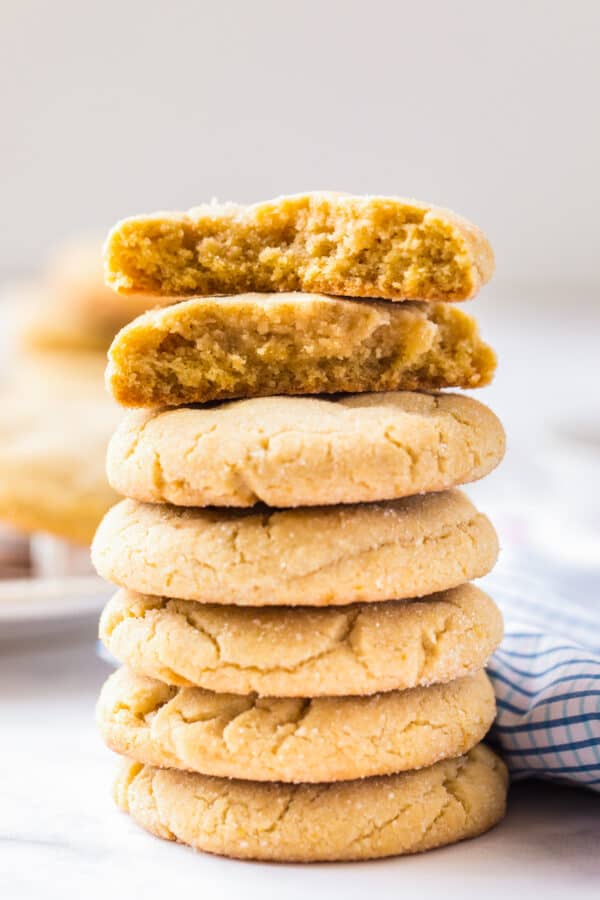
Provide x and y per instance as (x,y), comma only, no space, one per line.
(69,307)
(55,415)
(55,422)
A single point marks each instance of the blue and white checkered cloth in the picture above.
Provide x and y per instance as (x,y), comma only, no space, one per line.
(546,675)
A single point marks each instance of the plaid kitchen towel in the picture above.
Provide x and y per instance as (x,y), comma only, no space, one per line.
(546,675)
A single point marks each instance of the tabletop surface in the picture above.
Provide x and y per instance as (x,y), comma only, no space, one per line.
(62,837)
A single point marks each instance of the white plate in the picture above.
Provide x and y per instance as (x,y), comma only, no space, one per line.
(36,607)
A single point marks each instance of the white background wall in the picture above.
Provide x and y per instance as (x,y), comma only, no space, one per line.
(120,107)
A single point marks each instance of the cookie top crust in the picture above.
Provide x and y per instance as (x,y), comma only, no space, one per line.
(304,651)
(320,556)
(370,818)
(322,739)
(304,451)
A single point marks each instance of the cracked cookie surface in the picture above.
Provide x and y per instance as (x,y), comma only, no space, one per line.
(304,451)
(316,556)
(255,345)
(293,739)
(304,651)
(387,815)
(362,246)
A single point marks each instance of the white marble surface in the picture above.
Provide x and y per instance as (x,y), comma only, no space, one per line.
(61,837)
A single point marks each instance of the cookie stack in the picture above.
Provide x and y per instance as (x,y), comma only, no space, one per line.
(303,652)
